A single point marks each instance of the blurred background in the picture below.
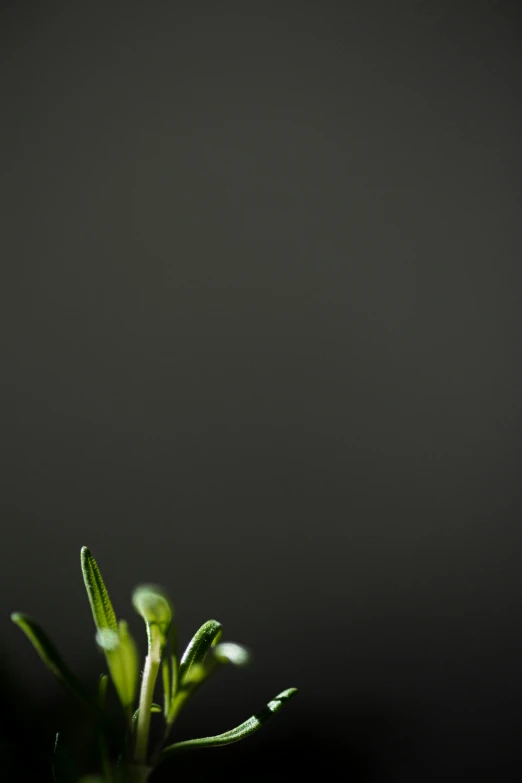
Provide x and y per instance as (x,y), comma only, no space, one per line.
(260,302)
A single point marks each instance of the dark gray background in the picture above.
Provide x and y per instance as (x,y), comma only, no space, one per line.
(260,342)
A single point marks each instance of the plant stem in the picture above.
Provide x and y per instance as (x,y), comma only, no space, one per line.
(150,673)
(138,774)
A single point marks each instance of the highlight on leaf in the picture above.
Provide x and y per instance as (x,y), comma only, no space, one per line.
(230,652)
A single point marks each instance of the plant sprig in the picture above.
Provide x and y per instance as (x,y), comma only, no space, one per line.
(180,678)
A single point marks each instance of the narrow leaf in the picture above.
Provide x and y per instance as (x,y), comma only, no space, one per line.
(102,689)
(195,675)
(174,670)
(174,661)
(240,732)
(101,606)
(192,672)
(195,654)
(124,665)
(167,685)
(153,604)
(52,659)
(50,655)
(230,652)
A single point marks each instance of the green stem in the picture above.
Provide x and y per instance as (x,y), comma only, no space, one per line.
(150,673)
(138,774)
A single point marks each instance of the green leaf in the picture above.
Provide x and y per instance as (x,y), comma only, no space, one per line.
(129,661)
(195,654)
(169,671)
(102,689)
(230,652)
(167,685)
(196,674)
(122,658)
(102,611)
(174,666)
(50,655)
(115,640)
(153,604)
(52,659)
(240,732)
(192,672)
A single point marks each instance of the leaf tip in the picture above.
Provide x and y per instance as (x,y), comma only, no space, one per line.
(286,694)
(230,652)
(277,702)
(153,604)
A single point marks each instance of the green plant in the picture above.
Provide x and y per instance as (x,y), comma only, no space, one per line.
(180,678)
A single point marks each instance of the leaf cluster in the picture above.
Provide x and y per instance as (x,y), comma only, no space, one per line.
(180,678)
